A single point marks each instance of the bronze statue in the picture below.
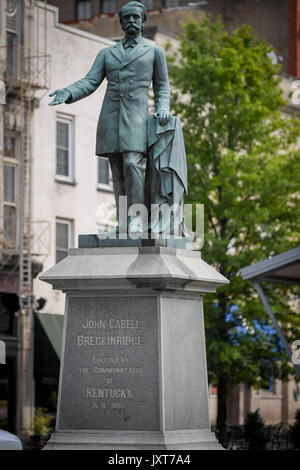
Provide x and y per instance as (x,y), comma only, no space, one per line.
(129,67)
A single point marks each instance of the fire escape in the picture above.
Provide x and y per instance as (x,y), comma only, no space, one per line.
(24,243)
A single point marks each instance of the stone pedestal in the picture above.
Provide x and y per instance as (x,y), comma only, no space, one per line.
(133,371)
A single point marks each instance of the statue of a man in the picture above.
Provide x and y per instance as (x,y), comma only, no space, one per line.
(129,67)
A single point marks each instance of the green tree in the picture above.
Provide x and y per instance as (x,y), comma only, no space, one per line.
(255,431)
(295,431)
(244,166)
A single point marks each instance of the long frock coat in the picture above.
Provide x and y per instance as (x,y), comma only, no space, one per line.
(122,124)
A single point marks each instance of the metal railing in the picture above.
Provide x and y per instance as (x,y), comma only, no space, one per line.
(278,437)
(40,236)
(8,233)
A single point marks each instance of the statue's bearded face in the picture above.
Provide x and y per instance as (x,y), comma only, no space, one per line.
(132,21)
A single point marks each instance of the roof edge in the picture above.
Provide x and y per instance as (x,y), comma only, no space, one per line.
(262,268)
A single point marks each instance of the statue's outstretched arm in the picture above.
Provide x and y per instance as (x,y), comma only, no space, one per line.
(83,87)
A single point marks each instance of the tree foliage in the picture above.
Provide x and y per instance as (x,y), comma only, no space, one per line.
(295,431)
(255,431)
(244,166)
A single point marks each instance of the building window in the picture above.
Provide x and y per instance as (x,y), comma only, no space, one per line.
(14,38)
(65,149)
(9,199)
(10,179)
(64,238)
(9,183)
(170,3)
(269,385)
(108,6)
(104,177)
(149,4)
(83,10)
(104,174)
(294,38)
(11,54)
(11,142)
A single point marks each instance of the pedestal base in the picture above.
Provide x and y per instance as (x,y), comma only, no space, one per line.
(133,372)
(132,440)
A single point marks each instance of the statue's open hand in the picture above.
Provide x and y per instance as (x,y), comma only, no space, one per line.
(163,117)
(61,96)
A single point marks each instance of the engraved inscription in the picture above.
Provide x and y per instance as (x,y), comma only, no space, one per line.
(109,360)
(111,323)
(109,365)
(118,370)
(110,340)
(108,393)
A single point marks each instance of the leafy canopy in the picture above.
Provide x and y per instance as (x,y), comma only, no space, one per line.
(244,166)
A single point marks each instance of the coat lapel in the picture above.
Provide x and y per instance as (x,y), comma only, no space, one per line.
(118,51)
(141,48)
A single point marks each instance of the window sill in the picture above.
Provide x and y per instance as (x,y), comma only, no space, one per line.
(10,160)
(105,187)
(63,181)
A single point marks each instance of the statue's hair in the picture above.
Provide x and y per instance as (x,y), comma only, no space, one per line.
(134,4)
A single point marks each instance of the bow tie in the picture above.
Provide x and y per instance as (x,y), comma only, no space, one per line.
(129,43)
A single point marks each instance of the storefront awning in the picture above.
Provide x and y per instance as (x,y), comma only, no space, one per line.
(48,329)
(282,268)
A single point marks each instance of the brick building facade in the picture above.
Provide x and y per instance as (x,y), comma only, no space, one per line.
(276,21)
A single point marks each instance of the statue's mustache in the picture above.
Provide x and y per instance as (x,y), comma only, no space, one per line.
(131,25)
